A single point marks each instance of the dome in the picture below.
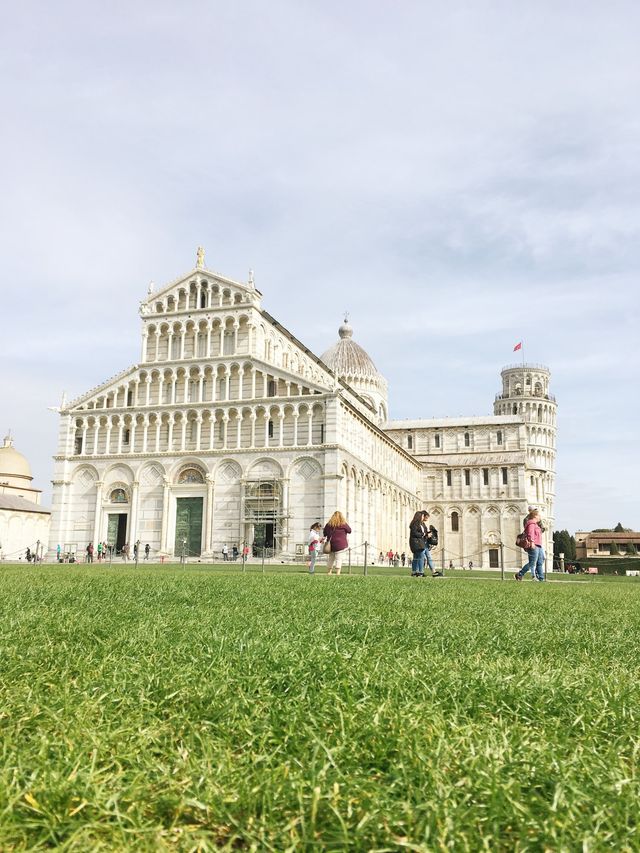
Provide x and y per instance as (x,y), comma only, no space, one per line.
(347,359)
(13,463)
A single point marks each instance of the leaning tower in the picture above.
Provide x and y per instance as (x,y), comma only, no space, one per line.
(525,391)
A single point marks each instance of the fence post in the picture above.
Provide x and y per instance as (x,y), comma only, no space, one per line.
(349,560)
(501,561)
(263,559)
(366,548)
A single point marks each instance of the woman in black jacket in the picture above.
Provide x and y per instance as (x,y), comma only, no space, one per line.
(418,543)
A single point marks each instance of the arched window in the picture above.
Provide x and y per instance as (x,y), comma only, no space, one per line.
(409,442)
(455,522)
(467,439)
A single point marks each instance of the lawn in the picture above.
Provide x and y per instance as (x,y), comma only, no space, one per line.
(161,708)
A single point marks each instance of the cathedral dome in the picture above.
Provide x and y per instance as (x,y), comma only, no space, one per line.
(347,359)
(351,363)
(13,463)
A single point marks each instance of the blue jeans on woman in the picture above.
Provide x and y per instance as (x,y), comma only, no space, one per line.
(535,564)
(417,564)
(427,556)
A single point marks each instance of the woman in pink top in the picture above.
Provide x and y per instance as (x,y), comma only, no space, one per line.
(336,530)
(536,552)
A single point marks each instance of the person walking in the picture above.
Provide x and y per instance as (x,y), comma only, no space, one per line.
(315,539)
(90,552)
(147,548)
(225,553)
(336,531)
(431,540)
(535,552)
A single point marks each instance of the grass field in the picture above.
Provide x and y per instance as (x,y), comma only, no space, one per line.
(193,709)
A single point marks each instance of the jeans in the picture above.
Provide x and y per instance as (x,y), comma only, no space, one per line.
(417,564)
(427,554)
(535,564)
(312,561)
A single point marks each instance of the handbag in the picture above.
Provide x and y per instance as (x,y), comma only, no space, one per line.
(326,548)
(523,541)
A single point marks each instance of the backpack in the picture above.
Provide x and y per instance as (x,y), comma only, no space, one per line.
(434,537)
(523,541)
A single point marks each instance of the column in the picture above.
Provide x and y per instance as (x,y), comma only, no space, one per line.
(253,384)
(97,519)
(208,517)
(133,523)
(165,516)
(224,426)
(107,447)
(183,433)
(183,334)
(169,346)
(200,387)
(228,384)
(280,429)
(284,541)
(296,415)
(212,430)
(85,429)
(120,432)
(96,435)
(132,436)
(157,353)
(147,396)
(145,433)
(310,425)
(239,430)
(266,429)
(145,338)
(198,430)
(240,382)
(254,418)
(170,436)
(160,389)
(158,425)
(208,351)
(174,383)
(136,393)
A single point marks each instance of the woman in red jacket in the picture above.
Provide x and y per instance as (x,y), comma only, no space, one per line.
(335,530)
(536,552)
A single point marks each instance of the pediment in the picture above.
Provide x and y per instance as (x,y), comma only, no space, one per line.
(199,289)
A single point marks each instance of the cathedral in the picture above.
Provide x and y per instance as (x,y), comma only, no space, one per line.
(230,431)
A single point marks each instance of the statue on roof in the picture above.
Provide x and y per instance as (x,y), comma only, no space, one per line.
(200,258)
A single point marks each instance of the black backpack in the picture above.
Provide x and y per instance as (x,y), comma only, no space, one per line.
(434,536)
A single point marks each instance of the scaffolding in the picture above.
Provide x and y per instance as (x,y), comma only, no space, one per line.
(265,520)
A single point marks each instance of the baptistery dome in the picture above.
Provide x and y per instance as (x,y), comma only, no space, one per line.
(14,467)
(351,363)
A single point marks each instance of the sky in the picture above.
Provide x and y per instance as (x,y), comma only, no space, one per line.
(459,176)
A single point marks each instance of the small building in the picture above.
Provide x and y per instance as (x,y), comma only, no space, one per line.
(24,523)
(607,543)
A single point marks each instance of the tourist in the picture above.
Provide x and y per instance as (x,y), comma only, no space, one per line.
(225,553)
(58,552)
(90,552)
(336,530)
(147,548)
(315,539)
(380,558)
(125,552)
(403,559)
(245,553)
(390,556)
(417,543)
(450,564)
(28,555)
(536,552)
(234,553)
(470,565)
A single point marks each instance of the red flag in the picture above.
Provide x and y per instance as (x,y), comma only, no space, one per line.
(517,346)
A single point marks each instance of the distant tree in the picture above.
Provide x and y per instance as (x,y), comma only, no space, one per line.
(565,544)
(632,551)
(602,530)
(618,528)
(573,547)
(614,550)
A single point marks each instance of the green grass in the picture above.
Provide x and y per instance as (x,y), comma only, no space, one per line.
(198,709)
